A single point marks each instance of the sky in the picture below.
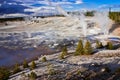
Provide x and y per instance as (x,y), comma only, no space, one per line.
(36,6)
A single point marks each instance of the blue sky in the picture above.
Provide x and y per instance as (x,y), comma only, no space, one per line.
(96,4)
(82,4)
(34,6)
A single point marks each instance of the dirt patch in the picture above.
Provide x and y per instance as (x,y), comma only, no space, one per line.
(115,29)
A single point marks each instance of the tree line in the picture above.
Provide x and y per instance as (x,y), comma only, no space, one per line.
(115,16)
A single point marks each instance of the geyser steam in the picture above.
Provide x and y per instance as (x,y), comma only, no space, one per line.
(83,24)
(103,20)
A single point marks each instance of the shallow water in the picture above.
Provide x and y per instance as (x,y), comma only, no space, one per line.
(9,57)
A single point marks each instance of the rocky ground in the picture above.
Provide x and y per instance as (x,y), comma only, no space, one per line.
(61,26)
(50,31)
(115,29)
(99,66)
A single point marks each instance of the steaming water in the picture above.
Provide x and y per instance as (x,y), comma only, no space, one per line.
(102,18)
(9,57)
(83,24)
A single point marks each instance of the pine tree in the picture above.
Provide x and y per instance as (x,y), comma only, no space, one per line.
(62,56)
(88,48)
(64,53)
(98,44)
(101,45)
(32,75)
(33,65)
(79,49)
(64,50)
(44,59)
(25,64)
(109,45)
(16,68)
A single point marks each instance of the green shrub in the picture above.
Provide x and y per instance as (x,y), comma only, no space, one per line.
(98,44)
(78,72)
(62,56)
(88,48)
(115,16)
(109,45)
(25,64)
(16,68)
(89,13)
(79,49)
(64,53)
(44,59)
(51,70)
(4,73)
(64,50)
(32,75)
(33,65)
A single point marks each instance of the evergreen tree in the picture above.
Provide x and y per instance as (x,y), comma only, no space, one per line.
(88,48)
(115,16)
(44,59)
(32,75)
(79,49)
(64,51)
(89,13)
(25,64)
(98,44)
(101,45)
(109,45)
(33,65)
(16,68)
(62,56)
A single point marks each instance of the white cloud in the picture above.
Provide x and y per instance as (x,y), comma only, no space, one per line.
(26,1)
(64,3)
(78,2)
(103,6)
(46,8)
(4,2)
(48,4)
(39,9)
(12,3)
(30,2)
(27,5)
(0,5)
(69,6)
